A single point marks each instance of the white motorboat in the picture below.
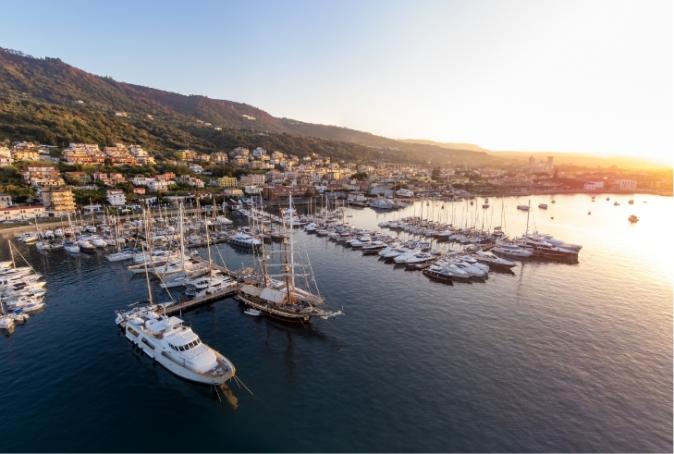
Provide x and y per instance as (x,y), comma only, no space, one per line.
(252,312)
(373,247)
(448,268)
(174,345)
(356,243)
(27,305)
(545,238)
(71,247)
(421,257)
(494,261)
(222,220)
(120,256)
(98,242)
(472,269)
(48,245)
(511,250)
(28,237)
(153,258)
(19,316)
(244,240)
(6,322)
(402,258)
(86,245)
(438,273)
(18,271)
(382,203)
(209,285)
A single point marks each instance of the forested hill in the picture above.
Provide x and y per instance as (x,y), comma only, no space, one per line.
(47,100)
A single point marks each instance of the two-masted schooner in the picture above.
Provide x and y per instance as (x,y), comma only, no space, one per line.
(277,296)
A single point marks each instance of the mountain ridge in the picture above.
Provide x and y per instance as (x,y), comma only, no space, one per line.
(52,100)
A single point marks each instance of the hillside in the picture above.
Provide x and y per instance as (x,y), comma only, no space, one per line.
(447,145)
(52,102)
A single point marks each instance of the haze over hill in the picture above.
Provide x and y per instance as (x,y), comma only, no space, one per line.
(580,159)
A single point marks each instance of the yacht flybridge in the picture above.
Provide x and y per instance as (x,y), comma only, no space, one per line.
(174,345)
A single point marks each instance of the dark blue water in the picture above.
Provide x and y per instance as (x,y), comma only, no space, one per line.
(555,358)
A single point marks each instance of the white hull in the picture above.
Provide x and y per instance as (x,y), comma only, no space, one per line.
(175,368)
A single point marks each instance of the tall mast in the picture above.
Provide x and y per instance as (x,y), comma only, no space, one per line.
(11,252)
(208,245)
(182,235)
(290,239)
(287,267)
(528,213)
(147,273)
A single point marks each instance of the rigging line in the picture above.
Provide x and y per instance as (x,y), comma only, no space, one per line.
(21,255)
(240,382)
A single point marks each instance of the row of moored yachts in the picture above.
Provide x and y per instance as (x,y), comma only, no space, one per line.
(22,293)
(487,252)
(529,245)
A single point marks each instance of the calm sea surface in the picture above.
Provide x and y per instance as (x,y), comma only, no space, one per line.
(557,357)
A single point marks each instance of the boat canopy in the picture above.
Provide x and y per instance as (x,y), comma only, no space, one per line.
(273,295)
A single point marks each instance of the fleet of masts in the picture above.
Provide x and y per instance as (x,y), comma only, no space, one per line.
(161,246)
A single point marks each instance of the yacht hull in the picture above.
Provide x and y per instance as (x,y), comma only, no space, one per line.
(277,314)
(161,357)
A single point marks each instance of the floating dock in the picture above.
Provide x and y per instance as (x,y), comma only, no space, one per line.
(187,305)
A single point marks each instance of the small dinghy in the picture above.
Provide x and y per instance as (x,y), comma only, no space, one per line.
(252,312)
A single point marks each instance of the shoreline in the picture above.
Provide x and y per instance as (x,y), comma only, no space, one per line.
(51,223)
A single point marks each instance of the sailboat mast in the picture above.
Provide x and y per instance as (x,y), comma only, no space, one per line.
(182,235)
(286,259)
(290,240)
(208,246)
(11,253)
(528,214)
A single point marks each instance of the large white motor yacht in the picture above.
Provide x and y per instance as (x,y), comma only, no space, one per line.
(174,345)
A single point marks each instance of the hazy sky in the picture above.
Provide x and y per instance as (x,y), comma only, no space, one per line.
(564,75)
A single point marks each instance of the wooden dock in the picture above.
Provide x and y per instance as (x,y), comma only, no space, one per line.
(187,305)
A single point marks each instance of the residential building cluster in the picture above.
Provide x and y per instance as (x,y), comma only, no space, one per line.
(272,175)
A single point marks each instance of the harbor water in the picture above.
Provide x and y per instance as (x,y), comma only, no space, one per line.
(555,357)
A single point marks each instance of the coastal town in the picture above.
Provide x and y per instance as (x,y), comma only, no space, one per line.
(357,227)
(45,181)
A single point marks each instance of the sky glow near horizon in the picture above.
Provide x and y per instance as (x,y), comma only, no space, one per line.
(594,76)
